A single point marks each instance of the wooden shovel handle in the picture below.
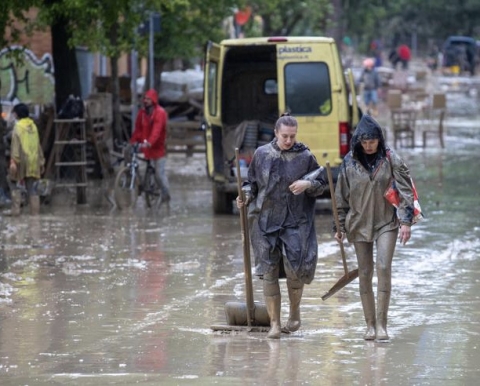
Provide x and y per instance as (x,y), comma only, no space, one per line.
(335,215)
(246,246)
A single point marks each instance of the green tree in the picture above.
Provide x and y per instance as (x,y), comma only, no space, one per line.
(111,28)
(108,27)
(186,28)
(284,18)
(14,11)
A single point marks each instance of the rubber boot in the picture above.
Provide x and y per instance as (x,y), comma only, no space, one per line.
(295,296)
(16,202)
(273,307)
(34,202)
(383,300)
(368,304)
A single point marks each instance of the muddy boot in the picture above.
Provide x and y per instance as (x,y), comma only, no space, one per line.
(16,202)
(295,296)
(34,202)
(273,307)
(368,304)
(383,300)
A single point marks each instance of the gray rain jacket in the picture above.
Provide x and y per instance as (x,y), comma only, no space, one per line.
(279,219)
(363,211)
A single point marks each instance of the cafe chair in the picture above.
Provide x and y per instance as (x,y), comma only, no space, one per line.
(403,127)
(435,131)
(394,99)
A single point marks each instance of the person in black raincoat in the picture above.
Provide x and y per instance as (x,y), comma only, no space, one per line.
(284,179)
(369,220)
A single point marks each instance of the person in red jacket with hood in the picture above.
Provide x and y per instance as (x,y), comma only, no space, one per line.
(151,132)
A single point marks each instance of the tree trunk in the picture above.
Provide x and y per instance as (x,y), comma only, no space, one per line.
(117,116)
(336,31)
(3,159)
(67,79)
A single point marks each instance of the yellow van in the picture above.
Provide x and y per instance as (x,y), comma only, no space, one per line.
(250,82)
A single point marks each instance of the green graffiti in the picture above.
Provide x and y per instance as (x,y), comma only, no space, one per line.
(30,80)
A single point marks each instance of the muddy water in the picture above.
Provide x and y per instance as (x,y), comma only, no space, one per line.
(91,296)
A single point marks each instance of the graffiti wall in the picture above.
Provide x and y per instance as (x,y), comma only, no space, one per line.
(25,77)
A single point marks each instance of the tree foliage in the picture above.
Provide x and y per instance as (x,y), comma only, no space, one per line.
(14,11)
(396,21)
(283,17)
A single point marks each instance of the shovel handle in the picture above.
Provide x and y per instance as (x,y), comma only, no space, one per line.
(335,215)
(246,246)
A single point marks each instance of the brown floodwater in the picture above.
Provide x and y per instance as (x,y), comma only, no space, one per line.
(95,296)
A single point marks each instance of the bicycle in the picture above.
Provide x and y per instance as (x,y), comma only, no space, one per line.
(129,184)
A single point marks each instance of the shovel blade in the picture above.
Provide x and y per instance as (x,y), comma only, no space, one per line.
(236,314)
(344,280)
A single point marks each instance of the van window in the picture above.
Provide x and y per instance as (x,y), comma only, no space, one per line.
(307,88)
(212,88)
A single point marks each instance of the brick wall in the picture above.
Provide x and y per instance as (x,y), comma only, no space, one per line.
(39,42)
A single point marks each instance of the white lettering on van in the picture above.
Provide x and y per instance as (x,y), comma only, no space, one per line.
(293,49)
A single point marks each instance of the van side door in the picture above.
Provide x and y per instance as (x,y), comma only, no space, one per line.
(212,100)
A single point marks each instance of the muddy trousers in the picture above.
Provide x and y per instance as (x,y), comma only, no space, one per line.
(385,247)
(271,291)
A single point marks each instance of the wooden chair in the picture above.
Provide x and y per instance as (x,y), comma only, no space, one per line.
(394,99)
(403,127)
(439,101)
(436,131)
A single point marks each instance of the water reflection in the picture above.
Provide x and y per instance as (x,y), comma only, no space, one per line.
(99,297)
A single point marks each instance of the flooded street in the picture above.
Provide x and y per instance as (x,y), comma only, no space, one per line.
(95,296)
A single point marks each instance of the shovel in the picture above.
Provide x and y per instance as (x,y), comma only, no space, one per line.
(348,276)
(250,315)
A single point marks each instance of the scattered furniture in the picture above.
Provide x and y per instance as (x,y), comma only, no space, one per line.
(435,131)
(394,99)
(98,127)
(439,101)
(185,136)
(403,126)
(435,117)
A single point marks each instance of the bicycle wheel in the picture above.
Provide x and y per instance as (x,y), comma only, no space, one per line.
(125,190)
(152,188)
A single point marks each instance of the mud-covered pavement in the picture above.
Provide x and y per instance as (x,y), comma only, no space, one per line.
(91,296)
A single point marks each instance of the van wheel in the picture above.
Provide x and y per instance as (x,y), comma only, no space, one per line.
(222,202)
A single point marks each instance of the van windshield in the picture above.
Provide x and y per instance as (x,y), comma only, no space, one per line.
(307,89)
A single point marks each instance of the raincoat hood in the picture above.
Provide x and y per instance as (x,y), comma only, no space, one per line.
(152,94)
(367,128)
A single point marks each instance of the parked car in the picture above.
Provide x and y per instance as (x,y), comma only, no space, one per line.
(460,52)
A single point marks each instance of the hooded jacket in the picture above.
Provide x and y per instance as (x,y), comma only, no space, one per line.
(152,128)
(26,150)
(364,213)
(278,218)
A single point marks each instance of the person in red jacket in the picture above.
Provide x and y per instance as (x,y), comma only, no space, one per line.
(151,132)
(405,55)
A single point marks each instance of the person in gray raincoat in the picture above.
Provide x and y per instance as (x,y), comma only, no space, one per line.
(369,220)
(284,179)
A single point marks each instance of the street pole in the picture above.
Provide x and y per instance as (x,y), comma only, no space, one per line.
(150,50)
(133,86)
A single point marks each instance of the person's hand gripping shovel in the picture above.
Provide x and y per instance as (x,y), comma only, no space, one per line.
(348,276)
